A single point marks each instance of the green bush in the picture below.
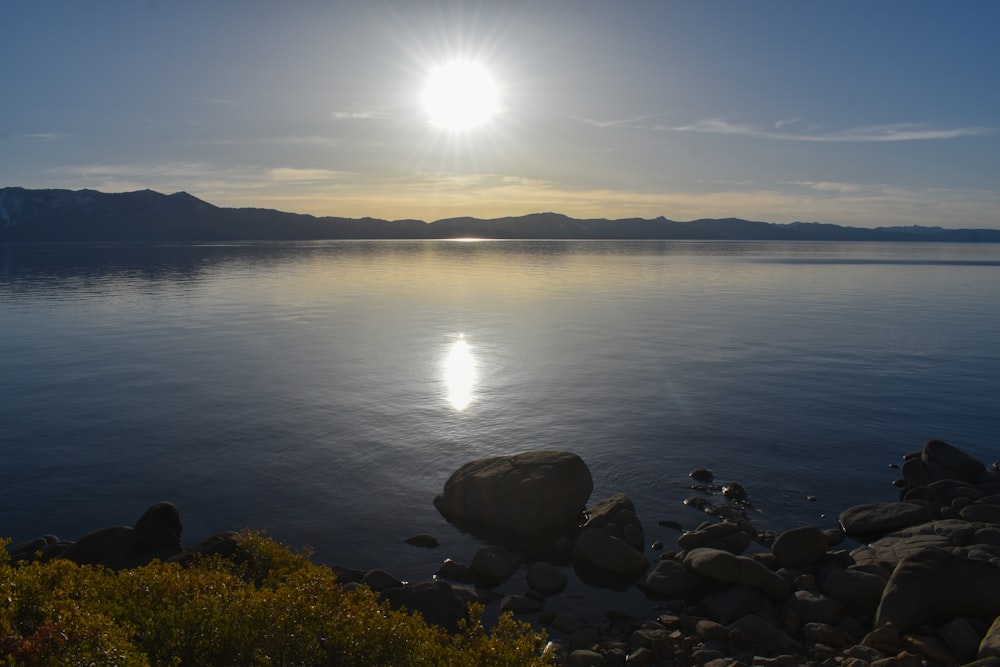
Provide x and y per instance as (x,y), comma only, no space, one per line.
(266,605)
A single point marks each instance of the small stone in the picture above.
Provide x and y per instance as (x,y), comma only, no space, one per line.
(707,629)
(422,540)
(669,523)
(734,491)
(702,475)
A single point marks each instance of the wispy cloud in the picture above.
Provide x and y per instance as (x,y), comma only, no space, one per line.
(358,115)
(784,130)
(293,175)
(635,121)
(861,134)
(42,136)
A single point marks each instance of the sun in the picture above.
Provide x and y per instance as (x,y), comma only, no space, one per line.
(460,95)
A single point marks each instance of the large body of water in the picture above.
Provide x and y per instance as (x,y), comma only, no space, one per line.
(324,391)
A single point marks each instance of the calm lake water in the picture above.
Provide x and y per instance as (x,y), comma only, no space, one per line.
(324,391)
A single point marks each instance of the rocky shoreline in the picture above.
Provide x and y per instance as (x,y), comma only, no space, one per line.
(923,587)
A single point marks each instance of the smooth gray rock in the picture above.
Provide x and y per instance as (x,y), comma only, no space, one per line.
(731,603)
(798,547)
(935,584)
(881,518)
(915,473)
(726,536)
(896,546)
(809,607)
(981,512)
(944,461)
(598,549)
(751,629)
(524,494)
(858,590)
(670,579)
(615,515)
(724,566)
(988,535)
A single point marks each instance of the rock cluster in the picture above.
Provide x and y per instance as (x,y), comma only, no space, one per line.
(156,535)
(923,587)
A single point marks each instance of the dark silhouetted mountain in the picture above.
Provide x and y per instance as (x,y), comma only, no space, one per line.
(89,215)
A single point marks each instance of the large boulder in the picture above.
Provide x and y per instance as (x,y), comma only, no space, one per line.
(882,518)
(726,567)
(525,494)
(936,584)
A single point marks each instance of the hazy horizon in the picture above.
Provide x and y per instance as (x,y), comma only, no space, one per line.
(853,113)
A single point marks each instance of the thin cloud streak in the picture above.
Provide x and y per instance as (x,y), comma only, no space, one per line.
(861,134)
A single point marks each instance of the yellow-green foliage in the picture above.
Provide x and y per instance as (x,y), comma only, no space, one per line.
(266,606)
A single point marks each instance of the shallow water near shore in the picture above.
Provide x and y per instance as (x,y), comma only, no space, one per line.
(324,391)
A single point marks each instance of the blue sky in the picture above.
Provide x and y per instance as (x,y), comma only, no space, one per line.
(861,113)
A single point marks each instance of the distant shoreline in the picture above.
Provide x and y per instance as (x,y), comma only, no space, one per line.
(147,216)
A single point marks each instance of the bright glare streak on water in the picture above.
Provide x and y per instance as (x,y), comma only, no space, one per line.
(460,374)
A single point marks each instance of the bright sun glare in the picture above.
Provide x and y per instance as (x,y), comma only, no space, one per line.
(460,95)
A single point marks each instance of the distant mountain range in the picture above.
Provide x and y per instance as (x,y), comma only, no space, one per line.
(145,215)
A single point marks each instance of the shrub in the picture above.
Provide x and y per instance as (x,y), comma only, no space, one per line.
(266,605)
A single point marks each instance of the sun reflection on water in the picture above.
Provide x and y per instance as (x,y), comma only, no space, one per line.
(460,374)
